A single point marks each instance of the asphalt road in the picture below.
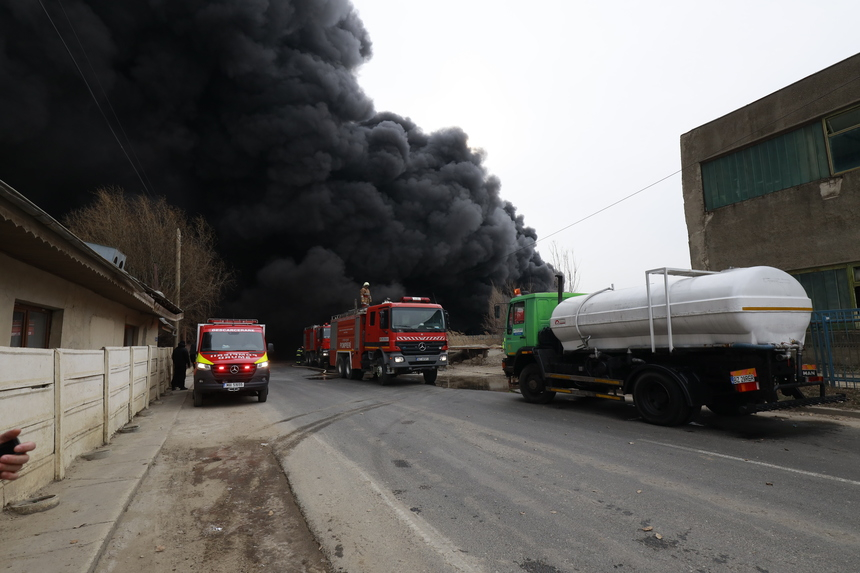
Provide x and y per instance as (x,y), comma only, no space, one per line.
(412,477)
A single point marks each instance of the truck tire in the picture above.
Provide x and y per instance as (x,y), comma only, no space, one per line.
(352,373)
(198,398)
(341,366)
(263,395)
(380,374)
(430,376)
(533,387)
(660,400)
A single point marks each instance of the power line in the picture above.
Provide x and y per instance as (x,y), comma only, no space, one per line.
(92,94)
(728,146)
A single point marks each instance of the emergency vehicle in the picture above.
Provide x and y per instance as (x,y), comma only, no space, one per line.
(317,342)
(391,338)
(232,356)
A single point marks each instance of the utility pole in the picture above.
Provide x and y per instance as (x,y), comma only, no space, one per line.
(178,276)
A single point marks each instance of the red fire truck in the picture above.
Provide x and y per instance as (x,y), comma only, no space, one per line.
(232,356)
(390,338)
(317,342)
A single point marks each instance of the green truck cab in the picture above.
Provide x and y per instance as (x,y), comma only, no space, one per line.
(528,314)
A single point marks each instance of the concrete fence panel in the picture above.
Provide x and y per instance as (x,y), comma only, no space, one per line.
(27,402)
(80,404)
(140,389)
(119,368)
(71,402)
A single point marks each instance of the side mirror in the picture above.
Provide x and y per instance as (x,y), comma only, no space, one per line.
(510,330)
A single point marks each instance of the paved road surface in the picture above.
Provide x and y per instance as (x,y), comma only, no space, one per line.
(417,478)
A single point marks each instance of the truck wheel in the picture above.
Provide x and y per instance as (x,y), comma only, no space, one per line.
(341,366)
(263,395)
(198,398)
(660,400)
(380,374)
(430,376)
(533,387)
(352,373)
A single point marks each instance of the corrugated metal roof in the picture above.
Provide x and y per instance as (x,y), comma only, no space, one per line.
(30,235)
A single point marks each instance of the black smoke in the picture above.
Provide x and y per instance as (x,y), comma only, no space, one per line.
(249,112)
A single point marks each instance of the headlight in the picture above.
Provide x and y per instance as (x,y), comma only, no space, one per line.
(202,366)
(443,358)
(263,365)
(398,359)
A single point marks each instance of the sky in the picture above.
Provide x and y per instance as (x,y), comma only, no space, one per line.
(578,104)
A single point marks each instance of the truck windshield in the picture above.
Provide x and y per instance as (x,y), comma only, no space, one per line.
(219,340)
(417,319)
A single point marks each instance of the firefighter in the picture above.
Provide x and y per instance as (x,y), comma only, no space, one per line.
(300,354)
(365,295)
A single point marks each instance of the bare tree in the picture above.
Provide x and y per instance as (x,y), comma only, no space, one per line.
(563,261)
(144,229)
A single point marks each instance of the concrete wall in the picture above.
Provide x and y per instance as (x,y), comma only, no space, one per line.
(811,225)
(73,401)
(82,319)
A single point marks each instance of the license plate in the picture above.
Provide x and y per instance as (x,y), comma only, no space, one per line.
(234,384)
(743,376)
(423,359)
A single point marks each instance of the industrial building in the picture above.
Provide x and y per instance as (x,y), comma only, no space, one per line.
(777,183)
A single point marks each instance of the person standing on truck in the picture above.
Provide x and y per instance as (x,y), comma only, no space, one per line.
(365,295)
(181,363)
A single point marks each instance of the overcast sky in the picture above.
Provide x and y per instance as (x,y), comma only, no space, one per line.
(580,104)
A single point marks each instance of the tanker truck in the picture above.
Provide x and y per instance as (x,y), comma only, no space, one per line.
(729,340)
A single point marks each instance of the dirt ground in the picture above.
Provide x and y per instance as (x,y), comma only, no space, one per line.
(211,504)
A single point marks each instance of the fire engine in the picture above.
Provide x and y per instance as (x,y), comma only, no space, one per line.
(317,343)
(232,356)
(391,338)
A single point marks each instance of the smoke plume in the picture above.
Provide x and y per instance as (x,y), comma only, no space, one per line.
(250,114)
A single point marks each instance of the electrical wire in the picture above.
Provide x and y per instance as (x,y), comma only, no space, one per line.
(93,95)
(728,146)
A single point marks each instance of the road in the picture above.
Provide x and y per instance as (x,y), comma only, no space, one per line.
(412,478)
(419,478)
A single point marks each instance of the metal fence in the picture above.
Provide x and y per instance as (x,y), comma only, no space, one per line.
(833,345)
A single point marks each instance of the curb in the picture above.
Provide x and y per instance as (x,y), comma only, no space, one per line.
(831,412)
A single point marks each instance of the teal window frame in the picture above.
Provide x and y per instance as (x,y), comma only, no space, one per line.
(793,158)
(843,140)
(829,288)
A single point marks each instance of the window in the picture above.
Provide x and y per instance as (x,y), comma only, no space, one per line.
(517,318)
(794,158)
(30,327)
(130,336)
(828,289)
(843,137)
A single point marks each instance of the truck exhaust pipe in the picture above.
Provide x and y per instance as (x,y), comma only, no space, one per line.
(560,282)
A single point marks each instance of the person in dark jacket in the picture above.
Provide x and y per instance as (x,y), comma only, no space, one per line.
(181,363)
